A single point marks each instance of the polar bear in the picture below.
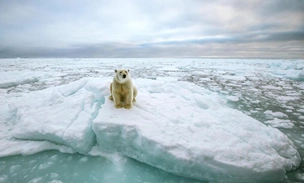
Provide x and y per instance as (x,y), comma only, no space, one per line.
(123,92)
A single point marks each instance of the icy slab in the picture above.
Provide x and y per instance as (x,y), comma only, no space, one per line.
(60,114)
(184,129)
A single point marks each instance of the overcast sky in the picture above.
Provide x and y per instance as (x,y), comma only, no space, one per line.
(152,28)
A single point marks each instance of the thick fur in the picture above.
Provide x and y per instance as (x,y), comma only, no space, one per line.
(123,92)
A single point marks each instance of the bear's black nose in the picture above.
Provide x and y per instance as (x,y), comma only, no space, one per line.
(124,76)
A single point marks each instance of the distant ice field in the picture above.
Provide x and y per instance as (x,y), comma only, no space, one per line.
(207,119)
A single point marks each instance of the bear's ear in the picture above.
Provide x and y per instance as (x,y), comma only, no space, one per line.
(115,71)
(128,70)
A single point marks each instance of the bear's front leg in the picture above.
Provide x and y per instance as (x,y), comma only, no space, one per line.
(117,100)
(128,100)
(111,94)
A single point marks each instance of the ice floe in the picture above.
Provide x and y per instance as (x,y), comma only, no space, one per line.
(176,126)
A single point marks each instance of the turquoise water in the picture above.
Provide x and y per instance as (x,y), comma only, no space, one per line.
(56,167)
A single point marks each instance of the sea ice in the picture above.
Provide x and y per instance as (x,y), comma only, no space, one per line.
(176,126)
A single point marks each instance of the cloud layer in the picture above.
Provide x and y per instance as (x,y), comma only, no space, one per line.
(136,28)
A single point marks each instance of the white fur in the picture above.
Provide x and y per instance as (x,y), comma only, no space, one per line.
(123,92)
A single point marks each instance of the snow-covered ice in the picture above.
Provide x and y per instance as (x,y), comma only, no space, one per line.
(208,121)
(175,126)
(188,131)
(62,114)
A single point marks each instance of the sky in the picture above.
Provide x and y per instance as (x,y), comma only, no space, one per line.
(152,28)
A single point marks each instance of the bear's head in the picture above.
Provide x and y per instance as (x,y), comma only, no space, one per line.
(122,75)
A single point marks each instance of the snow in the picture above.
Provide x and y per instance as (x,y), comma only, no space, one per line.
(180,123)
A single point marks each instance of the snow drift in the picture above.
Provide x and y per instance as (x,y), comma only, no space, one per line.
(175,126)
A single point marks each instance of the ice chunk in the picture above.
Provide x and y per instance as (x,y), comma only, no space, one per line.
(61,114)
(194,136)
(280,123)
(276,114)
(278,119)
(233,98)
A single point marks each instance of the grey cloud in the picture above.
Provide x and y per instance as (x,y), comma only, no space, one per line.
(281,50)
(287,36)
(157,28)
(279,6)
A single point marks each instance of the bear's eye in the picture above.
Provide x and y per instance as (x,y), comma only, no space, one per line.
(120,72)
